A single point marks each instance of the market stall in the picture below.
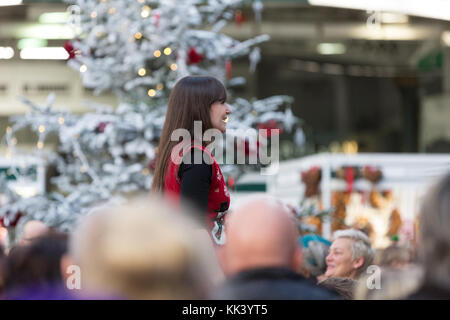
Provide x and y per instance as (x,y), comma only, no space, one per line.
(377,193)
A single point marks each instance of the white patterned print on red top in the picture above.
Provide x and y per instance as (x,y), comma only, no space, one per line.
(219,176)
(225,190)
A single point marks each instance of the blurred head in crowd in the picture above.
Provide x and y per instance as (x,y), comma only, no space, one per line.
(434,234)
(261,233)
(142,250)
(31,230)
(393,283)
(35,265)
(3,237)
(315,250)
(350,254)
(2,268)
(344,287)
(394,256)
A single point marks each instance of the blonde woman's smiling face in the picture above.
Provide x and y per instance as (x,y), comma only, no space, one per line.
(339,260)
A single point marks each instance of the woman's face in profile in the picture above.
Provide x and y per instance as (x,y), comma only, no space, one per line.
(219,115)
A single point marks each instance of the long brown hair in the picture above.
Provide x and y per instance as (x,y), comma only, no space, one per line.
(189,101)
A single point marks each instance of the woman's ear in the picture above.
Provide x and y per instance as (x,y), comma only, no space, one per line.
(358,263)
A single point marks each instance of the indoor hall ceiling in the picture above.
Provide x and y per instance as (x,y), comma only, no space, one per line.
(296,29)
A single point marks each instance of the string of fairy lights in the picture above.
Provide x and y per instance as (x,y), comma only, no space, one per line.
(142,71)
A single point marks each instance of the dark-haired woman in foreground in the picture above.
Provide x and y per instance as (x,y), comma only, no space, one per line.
(177,175)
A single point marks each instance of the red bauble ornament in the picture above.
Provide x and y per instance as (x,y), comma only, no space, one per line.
(70,49)
(228,68)
(231,182)
(157,16)
(272,128)
(7,223)
(247,150)
(194,57)
(238,17)
(101,127)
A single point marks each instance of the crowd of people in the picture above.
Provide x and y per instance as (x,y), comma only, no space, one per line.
(147,249)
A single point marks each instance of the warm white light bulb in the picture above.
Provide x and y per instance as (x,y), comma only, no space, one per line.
(145,11)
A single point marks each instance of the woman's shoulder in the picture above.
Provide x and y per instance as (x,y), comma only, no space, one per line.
(194,162)
(195,156)
(198,154)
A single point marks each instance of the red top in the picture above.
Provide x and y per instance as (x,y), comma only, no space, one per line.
(218,198)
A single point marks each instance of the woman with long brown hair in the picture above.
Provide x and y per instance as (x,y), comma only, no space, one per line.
(177,175)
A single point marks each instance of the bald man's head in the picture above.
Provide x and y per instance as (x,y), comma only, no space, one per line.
(32,230)
(261,233)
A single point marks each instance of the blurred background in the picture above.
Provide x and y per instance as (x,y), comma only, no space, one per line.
(377,78)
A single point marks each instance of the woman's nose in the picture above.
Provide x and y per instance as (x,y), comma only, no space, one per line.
(228,110)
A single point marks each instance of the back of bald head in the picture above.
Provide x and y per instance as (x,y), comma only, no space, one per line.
(260,233)
(32,230)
